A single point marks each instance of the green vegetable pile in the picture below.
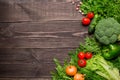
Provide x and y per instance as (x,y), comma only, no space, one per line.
(97,68)
(104,63)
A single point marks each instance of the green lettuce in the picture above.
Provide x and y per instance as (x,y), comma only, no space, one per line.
(103,68)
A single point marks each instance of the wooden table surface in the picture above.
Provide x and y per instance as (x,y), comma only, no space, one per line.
(32,33)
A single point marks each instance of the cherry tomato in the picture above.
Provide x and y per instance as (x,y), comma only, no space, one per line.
(88,55)
(81,55)
(79,76)
(90,15)
(71,70)
(82,63)
(86,21)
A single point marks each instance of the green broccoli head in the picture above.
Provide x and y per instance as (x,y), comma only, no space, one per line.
(107,31)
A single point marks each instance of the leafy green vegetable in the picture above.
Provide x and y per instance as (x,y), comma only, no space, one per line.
(103,68)
(107,31)
(90,45)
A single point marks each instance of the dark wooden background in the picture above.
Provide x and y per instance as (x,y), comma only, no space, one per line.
(32,33)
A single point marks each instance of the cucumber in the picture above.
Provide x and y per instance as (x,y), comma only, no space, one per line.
(91,28)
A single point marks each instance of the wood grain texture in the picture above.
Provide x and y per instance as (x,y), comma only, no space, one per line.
(53,34)
(30,62)
(37,10)
(31,56)
(32,33)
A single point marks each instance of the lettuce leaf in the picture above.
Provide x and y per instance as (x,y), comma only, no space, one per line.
(103,68)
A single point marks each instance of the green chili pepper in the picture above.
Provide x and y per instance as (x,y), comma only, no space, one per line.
(111,51)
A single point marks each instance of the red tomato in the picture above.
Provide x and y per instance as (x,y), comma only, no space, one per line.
(82,63)
(88,55)
(81,55)
(90,15)
(86,21)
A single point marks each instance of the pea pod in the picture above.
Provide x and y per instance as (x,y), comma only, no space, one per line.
(111,51)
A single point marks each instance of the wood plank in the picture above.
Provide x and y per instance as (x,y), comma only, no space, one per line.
(36,29)
(10,12)
(28,63)
(53,34)
(49,26)
(60,11)
(16,56)
(41,42)
(26,70)
(18,70)
(32,56)
(34,10)
(25,78)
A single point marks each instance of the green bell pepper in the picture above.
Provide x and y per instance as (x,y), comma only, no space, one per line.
(111,51)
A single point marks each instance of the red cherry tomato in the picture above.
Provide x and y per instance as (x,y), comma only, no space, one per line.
(88,55)
(81,55)
(82,63)
(86,21)
(90,15)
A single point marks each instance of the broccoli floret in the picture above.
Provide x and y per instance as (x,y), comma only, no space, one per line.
(113,38)
(100,33)
(104,40)
(107,31)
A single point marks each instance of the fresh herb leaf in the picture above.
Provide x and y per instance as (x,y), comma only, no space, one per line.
(90,45)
